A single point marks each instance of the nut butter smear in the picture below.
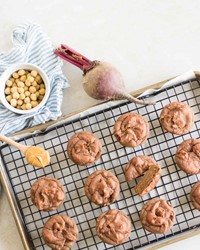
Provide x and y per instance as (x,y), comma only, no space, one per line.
(35,156)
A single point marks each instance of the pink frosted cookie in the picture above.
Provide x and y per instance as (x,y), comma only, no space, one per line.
(113,227)
(131,129)
(60,232)
(102,187)
(195,195)
(139,165)
(188,156)
(157,216)
(177,118)
(84,148)
(47,193)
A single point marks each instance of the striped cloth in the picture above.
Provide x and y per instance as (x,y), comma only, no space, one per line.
(31,45)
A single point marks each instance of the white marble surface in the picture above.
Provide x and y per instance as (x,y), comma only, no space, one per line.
(148,40)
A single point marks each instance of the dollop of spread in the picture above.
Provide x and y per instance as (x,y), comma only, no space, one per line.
(37,156)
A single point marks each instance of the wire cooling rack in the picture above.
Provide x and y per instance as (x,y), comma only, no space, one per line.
(174,185)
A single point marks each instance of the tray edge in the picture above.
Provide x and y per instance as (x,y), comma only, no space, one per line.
(14,207)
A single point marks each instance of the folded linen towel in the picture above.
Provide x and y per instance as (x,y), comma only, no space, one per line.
(31,45)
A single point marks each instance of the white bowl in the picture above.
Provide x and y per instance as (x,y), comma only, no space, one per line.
(6,75)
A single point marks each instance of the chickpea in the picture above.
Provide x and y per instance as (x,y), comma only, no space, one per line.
(18,107)
(27,93)
(34,84)
(34,73)
(17,80)
(8,98)
(21,72)
(32,89)
(19,102)
(9,83)
(23,106)
(15,75)
(42,86)
(22,96)
(14,84)
(15,95)
(7,91)
(12,79)
(20,90)
(28,83)
(13,102)
(37,87)
(34,103)
(37,93)
(25,88)
(42,91)
(37,78)
(14,89)
(23,78)
(33,97)
(27,100)
(28,106)
(30,78)
(20,84)
(40,97)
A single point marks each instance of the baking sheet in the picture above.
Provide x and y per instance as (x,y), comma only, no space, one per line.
(174,185)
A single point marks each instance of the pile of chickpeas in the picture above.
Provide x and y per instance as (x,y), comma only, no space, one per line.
(25,89)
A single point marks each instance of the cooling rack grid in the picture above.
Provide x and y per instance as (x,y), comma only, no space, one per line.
(174,185)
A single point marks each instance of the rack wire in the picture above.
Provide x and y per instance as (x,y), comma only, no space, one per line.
(175,185)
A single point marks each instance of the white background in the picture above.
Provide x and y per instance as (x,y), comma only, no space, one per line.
(147,40)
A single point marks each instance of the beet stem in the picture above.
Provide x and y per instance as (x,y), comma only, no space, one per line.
(62,55)
(70,55)
(64,46)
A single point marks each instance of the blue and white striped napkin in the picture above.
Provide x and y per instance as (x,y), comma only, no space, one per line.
(31,45)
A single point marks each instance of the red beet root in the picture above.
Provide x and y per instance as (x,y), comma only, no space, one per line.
(101,80)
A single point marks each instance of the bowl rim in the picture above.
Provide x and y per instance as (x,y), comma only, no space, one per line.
(6,75)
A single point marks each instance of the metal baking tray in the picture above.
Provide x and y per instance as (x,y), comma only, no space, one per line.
(175,185)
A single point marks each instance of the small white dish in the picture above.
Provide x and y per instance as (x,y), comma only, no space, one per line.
(6,75)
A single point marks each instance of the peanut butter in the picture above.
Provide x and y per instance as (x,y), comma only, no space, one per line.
(37,156)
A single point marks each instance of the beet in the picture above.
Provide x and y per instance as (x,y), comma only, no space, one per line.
(101,80)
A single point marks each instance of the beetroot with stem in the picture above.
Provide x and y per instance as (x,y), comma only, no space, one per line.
(101,80)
